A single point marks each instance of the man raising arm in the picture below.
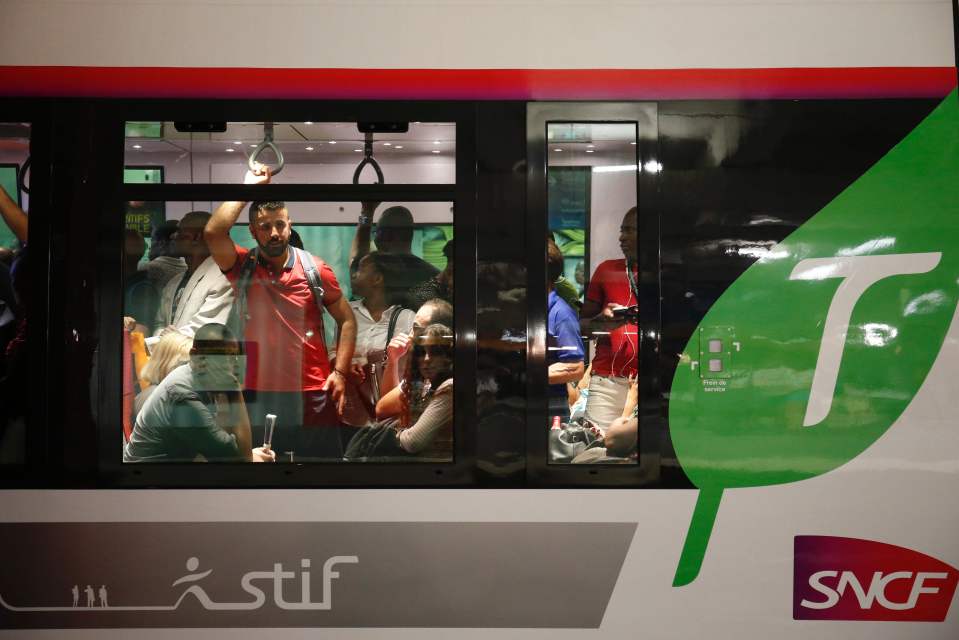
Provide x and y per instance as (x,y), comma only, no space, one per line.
(289,372)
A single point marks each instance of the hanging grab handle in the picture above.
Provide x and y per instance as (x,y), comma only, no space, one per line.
(22,177)
(368,159)
(267,144)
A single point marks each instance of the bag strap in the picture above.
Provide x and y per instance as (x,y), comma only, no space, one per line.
(238,314)
(393,318)
(248,268)
(312,271)
(312,276)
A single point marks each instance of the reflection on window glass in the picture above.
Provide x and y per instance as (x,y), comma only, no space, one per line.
(312,152)
(593,306)
(14,294)
(294,332)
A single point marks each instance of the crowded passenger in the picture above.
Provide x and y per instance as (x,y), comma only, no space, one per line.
(393,235)
(201,294)
(610,315)
(398,363)
(563,287)
(140,297)
(439,286)
(163,262)
(197,412)
(379,315)
(171,350)
(618,444)
(280,293)
(424,402)
(565,355)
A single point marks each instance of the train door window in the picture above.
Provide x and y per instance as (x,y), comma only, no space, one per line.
(310,152)
(307,323)
(14,290)
(585,192)
(592,348)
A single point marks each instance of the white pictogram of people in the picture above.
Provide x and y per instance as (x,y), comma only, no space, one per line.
(92,596)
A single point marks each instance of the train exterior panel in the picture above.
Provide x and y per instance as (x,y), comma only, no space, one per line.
(794,170)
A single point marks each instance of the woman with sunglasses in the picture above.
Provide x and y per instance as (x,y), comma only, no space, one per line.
(425,400)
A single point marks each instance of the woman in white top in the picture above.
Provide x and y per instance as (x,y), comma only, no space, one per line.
(379,316)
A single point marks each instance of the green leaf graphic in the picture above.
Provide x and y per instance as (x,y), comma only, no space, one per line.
(816,350)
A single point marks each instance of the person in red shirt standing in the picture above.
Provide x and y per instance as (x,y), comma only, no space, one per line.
(612,287)
(288,370)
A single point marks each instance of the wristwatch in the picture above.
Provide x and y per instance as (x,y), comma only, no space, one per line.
(365,219)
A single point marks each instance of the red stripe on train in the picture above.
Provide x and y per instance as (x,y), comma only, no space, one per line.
(477,84)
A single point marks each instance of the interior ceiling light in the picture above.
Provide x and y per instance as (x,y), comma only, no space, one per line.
(633,143)
(591,151)
(253,145)
(436,142)
(332,141)
(136,146)
(557,149)
(399,146)
(359,150)
(307,123)
(387,144)
(591,146)
(309,148)
(436,150)
(237,142)
(229,149)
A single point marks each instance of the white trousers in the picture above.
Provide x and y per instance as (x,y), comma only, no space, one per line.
(607,399)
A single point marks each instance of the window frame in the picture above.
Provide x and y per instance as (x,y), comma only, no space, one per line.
(111,471)
(41,346)
(539,472)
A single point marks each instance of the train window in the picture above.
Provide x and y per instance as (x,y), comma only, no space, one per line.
(14,279)
(308,152)
(592,349)
(238,342)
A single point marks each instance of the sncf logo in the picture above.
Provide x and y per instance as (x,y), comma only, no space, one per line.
(851,579)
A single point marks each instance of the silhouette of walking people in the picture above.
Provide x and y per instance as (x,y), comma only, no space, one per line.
(76,594)
(103,595)
(90,599)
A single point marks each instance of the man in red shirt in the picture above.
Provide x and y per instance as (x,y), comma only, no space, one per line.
(288,370)
(612,287)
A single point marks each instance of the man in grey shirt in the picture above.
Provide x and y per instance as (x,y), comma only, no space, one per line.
(197,411)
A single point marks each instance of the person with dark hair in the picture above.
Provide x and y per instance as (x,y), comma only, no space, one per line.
(439,286)
(612,290)
(280,293)
(393,235)
(198,409)
(295,240)
(164,262)
(202,294)
(563,287)
(140,297)
(425,402)
(436,311)
(379,316)
(565,354)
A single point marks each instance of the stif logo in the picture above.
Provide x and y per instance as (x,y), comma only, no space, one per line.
(850,579)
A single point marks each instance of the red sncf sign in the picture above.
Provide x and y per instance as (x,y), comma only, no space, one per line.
(850,579)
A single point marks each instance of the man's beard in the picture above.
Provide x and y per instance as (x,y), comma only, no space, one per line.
(274,250)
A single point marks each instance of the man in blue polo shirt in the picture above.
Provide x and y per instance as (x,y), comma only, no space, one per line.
(564,345)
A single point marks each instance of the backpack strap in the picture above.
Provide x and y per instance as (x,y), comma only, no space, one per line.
(312,271)
(238,313)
